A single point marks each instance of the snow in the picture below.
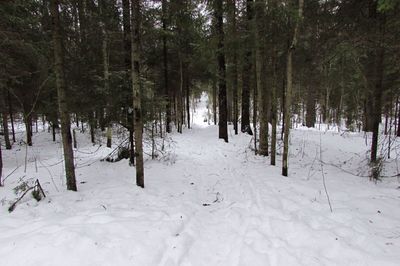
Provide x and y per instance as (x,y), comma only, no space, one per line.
(211,203)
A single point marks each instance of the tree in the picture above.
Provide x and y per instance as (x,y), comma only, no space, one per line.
(137,87)
(222,103)
(1,167)
(289,85)
(247,66)
(62,97)
(231,6)
(5,120)
(263,100)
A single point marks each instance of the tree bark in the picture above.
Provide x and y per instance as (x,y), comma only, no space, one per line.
(246,76)
(62,97)
(136,87)
(5,131)
(5,120)
(165,64)
(288,96)
(10,112)
(1,167)
(106,72)
(222,103)
(273,109)
(310,105)
(261,73)
(376,64)
(234,74)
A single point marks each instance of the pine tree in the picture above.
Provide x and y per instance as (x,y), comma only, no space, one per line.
(62,97)
(137,87)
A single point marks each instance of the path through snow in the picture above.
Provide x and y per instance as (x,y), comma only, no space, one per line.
(217,204)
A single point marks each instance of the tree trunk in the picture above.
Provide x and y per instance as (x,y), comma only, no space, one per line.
(288,98)
(62,98)
(126,22)
(136,86)
(376,64)
(310,105)
(187,94)
(165,64)
(246,76)
(5,131)
(261,73)
(106,72)
(179,105)
(234,74)
(5,120)
(273,109)
(222,103)
(214,98)
(28,127)
(398,117)
(10,112)
(1,167)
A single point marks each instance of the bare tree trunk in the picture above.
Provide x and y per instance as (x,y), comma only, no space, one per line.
(397,113)
(10,112)
(214,96)
(187,103)
(28,127)
(5,121)
(261,73)
(5,131)
(106,72)
(377,64)
(62,98)
(246,76)
(310,106)
(136,85)
(126,22)
(179,106)
(165,62)
(222,103)
(273,109)
(233,33)
(288,98)
(1,167)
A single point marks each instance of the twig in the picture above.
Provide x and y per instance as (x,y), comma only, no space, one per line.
(12,207)
(323,174)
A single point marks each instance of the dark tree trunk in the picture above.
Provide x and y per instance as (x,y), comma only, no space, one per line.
(1,167)
(165,64)
(398,117)
(246,76)
(62,97)
(28,128)
(5,131)
(214,96)
(310,105)
(222,104)
(234,72)
(132,148)
(5,121)
(187,103)
(263,100)
(376,65)
(136,87)
(126,22)
(273,109)
(10,112)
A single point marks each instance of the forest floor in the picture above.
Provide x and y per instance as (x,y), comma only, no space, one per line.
(206,202)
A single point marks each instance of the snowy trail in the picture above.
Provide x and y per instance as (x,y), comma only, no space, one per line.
(216,204)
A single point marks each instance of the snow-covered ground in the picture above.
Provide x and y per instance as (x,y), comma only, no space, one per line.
(210,203)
